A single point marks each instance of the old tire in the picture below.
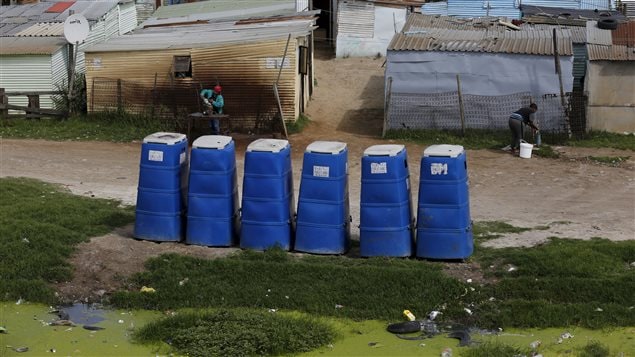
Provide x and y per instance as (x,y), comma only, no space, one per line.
(607,24)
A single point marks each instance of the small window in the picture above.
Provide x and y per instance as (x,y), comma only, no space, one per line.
(182,67)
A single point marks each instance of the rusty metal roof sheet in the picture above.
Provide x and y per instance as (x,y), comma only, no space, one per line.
(610,53)
(43,29)
(30,45)
(441,33)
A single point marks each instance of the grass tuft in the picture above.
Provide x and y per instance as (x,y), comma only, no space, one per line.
(595,349)
(237,333)
(299,125)
(490,349)
(39,228)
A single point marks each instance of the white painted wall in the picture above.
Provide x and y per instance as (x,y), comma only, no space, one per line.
(26,73)
(611,89)
(480,73)
(388,22)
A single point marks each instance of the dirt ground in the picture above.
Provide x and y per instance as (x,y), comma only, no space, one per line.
(575,197)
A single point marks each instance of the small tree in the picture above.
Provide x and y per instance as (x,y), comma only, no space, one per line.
(76,104)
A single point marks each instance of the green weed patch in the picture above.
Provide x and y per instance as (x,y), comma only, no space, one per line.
(237,333)
(602,139)
(113,127)
(609,160)
(39,227)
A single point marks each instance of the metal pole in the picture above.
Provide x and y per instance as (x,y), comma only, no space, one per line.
(286,47)
(558,71)
(461,113)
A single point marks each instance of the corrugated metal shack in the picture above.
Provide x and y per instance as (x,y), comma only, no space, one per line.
(166,66)
(610,78)
(33,52)
(499,71)
(364,28)
(506,8)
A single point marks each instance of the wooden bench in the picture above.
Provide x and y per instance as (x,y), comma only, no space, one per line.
(206,118)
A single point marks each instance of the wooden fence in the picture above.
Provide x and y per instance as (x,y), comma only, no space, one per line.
(32,110)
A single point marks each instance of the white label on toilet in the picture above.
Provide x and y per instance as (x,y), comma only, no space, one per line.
(437,168)
(182,158)
(155,155)
(321,171)
(378,168)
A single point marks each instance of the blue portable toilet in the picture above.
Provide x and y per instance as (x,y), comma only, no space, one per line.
(323,220)
(212,212)
(268,204)
(444,228)
(386,217)
(162,187)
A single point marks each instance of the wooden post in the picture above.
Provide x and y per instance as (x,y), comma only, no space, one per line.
(119,96)
(154,94)
(284,125)
(461,111)
(34,103)
(387,107)
(556,57)
(4,100)
(92,96)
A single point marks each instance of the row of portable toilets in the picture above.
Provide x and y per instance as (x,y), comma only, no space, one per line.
(201,202)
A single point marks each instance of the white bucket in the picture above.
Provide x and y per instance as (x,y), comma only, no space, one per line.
(525,150)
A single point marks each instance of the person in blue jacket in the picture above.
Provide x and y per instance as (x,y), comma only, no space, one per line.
(214,100)
(516,121)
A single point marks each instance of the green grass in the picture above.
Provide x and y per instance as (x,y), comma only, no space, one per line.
(609,160)
(491,349)
(298,125)
(496,139)
(96,127)
(241,332)
(485,230)
(602,139)
(39,226)
(595,349)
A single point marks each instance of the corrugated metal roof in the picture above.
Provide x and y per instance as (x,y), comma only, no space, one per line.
(204,35)
(435,8)
(518,42)
(43,30)
(625,34)
(578,33)
(31,14)
(568,13)
(610,53)
(598,36)
(30,45)
(226,8)
(356,19)
(422,21)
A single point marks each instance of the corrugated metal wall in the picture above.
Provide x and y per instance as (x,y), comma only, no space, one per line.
(145,8)
(480,8)
(27,73)
(127,17)
(356,19)
(246,72)
(579,65)
(302,5)
(59,71)
(112,23)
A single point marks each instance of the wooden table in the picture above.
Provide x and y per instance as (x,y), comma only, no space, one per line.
(207,118)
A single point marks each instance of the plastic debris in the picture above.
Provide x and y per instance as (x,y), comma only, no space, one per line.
(182,282)
(433,315)
(338,306)
(20,301)
(272,310)
(422,345)
(566,335)
(469,312)
(93,328)
(52,350)
(447,352)
(599,309)
(409,315)
(469,280)
(511,268)
(3,330)
(20,349)
(145,289)
(62,322)
(535,344)
(120,321)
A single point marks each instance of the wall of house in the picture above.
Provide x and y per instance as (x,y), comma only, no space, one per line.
(27,73)
(480,73)
(365,29)
(246,72)
(611,91)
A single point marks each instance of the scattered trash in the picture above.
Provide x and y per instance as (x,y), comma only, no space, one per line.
(433,315)
(535,344)
(182,282)
(566,335)
(633,264)
(469,280)
(330,345)
(3,330)
(286,296)
(145,289)
(93,328)
(272,310)
(511,268)
(492,299)
(463,336)
(61,322)
(422,345)
(374,344)
(469,312)
(19,349)
(409,315)
(338,306)
(52,350)
(599,309)
(25,240)
(447,352)
(120,321)
(20,301)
